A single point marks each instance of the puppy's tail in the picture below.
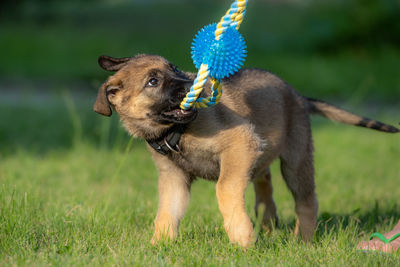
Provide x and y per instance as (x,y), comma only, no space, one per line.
(340,115)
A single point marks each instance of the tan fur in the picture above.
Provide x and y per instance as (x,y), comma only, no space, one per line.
(174,191)
(260,118)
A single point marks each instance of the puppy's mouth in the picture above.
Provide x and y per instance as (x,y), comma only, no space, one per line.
(172,111)
(177,115)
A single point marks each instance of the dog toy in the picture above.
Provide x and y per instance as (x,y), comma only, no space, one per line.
(218,51)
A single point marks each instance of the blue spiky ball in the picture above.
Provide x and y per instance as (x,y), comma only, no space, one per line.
(224,56)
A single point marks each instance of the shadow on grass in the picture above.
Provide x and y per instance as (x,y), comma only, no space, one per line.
(353,225)
(361,220)
(365,220)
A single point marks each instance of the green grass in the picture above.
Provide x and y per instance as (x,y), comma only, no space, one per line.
(70,195)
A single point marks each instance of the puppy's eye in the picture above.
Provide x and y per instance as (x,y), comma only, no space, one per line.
(112,91)
(153,82)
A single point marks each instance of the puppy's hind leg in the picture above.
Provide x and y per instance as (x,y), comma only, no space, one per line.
(298,172)
(264,202)
(174,193)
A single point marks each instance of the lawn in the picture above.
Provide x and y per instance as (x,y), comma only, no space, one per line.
(77,190)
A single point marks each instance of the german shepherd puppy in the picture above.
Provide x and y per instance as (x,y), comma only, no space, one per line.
(260,118)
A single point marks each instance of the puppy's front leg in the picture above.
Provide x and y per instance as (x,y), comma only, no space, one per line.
(174,193)
(231,186)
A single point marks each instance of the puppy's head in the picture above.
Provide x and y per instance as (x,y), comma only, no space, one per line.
(145,91)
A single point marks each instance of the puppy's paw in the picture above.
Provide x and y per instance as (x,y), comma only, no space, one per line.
(165,231)
(240,232)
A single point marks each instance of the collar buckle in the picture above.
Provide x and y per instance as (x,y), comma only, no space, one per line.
(176,150)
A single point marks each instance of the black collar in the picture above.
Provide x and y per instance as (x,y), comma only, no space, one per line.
(169,141)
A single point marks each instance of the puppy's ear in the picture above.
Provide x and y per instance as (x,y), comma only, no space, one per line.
(101,105)
(111,63)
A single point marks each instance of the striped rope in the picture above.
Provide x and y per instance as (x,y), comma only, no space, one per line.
(196,88)
(232,18)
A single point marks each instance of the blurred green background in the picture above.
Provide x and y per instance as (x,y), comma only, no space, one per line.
(330,49)
(346,52)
